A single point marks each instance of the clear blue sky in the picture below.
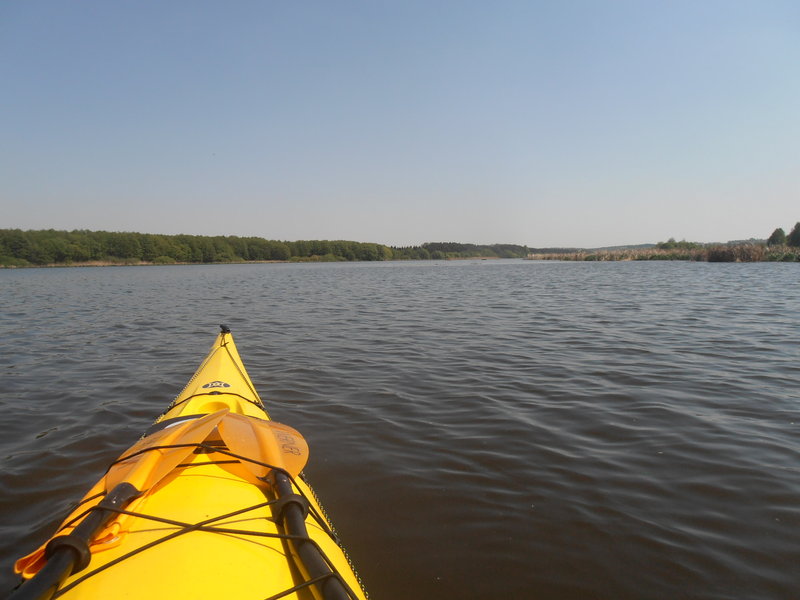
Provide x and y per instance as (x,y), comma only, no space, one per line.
(563,123)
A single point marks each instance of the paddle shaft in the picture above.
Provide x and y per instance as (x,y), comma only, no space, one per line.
(309,556)
(70,553)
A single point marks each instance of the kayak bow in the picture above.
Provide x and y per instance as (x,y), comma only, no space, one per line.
(209,503)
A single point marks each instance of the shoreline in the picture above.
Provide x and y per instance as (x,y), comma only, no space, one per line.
(738,254)
(716,253)
(110,263)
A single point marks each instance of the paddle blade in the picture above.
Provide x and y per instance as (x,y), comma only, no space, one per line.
(265,441)
(144,470)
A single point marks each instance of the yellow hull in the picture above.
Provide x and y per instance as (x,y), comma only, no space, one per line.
(209,527)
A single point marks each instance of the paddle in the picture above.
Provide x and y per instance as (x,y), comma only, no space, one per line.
(135,473)
(144,469)
(266,441)
(286,451)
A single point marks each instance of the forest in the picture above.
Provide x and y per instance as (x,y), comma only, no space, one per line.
(20,248)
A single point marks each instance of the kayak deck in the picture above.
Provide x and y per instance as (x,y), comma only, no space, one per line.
(212,526)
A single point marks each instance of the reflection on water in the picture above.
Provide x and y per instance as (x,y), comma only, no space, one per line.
(478,429)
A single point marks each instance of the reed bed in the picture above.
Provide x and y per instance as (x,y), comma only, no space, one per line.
(710,253)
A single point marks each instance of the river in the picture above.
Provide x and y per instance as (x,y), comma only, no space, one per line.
(478,429)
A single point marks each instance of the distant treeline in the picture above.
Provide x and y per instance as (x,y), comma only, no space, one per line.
(45,247)
(779,247)
(443,250)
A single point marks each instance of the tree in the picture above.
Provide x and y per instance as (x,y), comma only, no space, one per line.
(793,239)
(124,245)
(279,251)
(778,238)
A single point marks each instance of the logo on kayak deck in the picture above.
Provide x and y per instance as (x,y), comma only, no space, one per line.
(217,384)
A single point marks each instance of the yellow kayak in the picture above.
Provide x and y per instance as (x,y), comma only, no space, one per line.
(210,503)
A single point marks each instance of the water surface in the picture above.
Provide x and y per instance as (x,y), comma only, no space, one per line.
(478,429)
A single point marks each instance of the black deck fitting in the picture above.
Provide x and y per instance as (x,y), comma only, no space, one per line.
(225,329)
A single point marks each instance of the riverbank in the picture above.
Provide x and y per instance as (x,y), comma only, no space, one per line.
(716,253)
(47,247)
(131,263)
(21,264)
